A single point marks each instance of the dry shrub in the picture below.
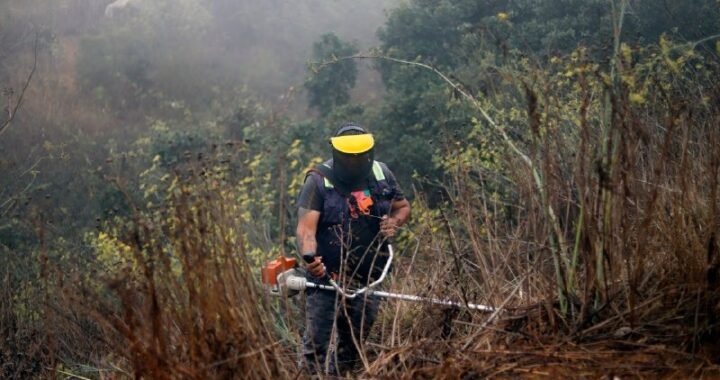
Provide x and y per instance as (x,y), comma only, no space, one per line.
(187,305)
(23,351)
(621,278)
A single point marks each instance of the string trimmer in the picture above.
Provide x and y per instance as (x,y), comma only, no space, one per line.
(281,276)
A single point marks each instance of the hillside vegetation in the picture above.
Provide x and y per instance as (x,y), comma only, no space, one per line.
(561,159)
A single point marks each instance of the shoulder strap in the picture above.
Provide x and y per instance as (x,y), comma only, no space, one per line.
(326,172)
(378,171)
(386,190)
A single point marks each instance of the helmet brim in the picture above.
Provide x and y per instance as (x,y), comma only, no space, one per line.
(353,144)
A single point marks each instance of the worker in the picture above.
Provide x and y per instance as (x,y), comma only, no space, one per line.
(348,208)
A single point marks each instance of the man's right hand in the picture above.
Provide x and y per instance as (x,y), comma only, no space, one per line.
(316,268)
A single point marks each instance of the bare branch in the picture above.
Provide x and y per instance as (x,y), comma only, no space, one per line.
(457,87)
(706,39)
(13,111)
(559,245)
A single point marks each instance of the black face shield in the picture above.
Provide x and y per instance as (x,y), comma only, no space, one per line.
(353,154)
(352,168)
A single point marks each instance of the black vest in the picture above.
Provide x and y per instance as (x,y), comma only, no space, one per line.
(363,254)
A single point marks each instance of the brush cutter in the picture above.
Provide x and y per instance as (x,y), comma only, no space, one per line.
(282,276)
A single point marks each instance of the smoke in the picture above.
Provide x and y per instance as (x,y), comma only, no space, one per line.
(119,5)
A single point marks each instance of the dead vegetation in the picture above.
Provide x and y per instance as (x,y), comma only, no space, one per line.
(605,263)
(187,305)
(611,270)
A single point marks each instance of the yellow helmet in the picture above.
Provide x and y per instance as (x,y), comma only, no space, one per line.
(353,144)
(353,154)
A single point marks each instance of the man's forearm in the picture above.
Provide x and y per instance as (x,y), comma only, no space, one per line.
(400,212)
(306,242)
(401,215)
(306,229)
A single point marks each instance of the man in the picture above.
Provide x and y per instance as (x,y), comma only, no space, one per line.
(349,206)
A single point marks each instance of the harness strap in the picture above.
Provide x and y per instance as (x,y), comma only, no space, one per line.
(378,172)
(326,172)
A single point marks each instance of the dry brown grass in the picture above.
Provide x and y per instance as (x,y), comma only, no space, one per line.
(637,298)
(187,306)
(636,200)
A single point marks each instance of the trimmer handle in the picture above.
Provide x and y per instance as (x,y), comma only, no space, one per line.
(308,257)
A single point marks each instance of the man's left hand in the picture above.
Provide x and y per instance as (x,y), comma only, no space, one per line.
(388,226)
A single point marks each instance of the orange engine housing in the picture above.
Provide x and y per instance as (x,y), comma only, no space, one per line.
(272,269)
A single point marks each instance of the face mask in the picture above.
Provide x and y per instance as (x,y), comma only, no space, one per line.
(353,157)
(352,168)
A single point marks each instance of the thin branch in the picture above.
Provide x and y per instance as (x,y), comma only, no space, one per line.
(706,39)
(13,198)
(455,87)
(559,245)
(494,315)
(243,355)
(33,166)
(71,375)
(13,111)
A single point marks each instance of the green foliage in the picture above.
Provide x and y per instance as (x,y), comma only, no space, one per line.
(472,42)
(616,192)
(330,87)
(115,72)
(174,146)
